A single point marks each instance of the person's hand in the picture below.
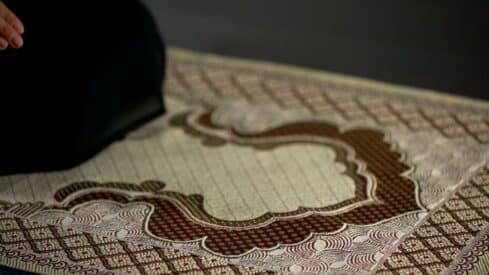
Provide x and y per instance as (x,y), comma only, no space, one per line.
(11,29)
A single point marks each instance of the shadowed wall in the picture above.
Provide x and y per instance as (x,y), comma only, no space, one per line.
(439,45)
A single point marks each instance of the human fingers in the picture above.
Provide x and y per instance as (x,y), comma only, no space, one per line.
(10,34)
(3,44)
(11,18)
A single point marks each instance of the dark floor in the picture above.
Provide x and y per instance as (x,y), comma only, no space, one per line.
(441,45)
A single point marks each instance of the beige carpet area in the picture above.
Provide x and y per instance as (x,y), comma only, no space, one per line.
(262,168)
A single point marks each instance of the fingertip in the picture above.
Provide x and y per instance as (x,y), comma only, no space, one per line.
(16,24)
(17,42)
(19,27)
(3,44)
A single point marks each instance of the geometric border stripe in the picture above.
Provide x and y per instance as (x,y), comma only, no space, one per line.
(435,244)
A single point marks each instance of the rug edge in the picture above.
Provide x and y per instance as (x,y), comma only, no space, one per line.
(320,75)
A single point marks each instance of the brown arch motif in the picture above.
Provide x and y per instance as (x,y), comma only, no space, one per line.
(394,194)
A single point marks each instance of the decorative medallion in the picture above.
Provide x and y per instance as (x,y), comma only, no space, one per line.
(381,189)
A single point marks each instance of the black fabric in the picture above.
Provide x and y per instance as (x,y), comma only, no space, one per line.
(87,74)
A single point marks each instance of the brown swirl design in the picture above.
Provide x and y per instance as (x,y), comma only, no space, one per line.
(393,196)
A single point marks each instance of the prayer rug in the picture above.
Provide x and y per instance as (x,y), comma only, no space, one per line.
(261,168)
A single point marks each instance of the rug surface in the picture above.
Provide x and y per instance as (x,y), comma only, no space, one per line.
(260,168)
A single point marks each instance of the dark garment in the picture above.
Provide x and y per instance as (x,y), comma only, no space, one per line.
(89,71)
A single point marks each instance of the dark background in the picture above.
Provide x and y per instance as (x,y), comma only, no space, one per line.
(441,45)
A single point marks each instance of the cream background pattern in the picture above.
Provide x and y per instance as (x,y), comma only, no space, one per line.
(144,156)
(236,182)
